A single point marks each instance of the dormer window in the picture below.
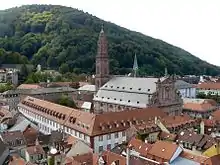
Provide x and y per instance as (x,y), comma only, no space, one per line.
(102,97)
(139,89)
(129,101)
(111,86)
(117,87)
(137,102)
(130,88)
(108,98)
(148,90)
(106,86)
(123,87)
(120,99)
(114,98)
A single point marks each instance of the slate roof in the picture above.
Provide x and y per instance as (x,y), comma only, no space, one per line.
(22,125)
(3,147)
(131,84)
(133,91)
(9,137)
(163,149)
(180,84)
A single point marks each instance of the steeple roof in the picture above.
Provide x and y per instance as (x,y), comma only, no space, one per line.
(135,65)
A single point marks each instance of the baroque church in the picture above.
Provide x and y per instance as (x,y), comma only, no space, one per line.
(118,93)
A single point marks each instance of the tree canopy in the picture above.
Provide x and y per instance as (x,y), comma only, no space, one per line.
(65,39)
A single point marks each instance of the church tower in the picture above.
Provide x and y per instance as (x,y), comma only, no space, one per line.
(102,61)
(135,66)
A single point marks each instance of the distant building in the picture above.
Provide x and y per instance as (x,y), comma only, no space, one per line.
(99,131)
(212,88)
(186,90)
(9,76)
(51,94)
(4,152)
(199,109)
(127,93)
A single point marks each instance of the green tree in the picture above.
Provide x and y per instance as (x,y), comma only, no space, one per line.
(66,101)
(65,39)
(64,68)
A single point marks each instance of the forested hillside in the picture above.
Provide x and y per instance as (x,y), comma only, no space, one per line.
(66,39)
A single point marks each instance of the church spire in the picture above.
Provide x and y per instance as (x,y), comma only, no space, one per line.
(102,60)
(165,72)
(102,29)
(135,65)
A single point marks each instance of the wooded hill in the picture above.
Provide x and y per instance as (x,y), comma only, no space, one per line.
(66,39)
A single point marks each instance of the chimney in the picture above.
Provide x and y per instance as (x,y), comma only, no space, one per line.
(128,156)
(202,128)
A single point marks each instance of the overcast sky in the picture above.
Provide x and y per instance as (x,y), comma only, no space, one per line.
(193,25)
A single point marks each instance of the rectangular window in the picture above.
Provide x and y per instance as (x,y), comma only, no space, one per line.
(100,138)
(108,136)
(100,148)
(109,147)
(123,133)
(116,135)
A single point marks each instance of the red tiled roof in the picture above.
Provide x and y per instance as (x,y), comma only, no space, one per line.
(198,107)
(175,121)
(216,115)
(110,157)
(209,122)
(214,160)
(163,149)
(33,150)
(85,122)
(16,160)
(196,158)
(88,159)
(4,113)
(167,136)
(139,146)
(209,85)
